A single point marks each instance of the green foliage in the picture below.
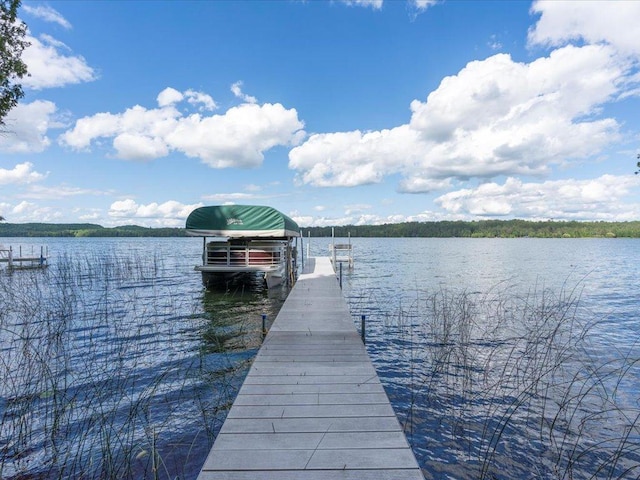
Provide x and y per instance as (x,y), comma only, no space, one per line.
(12,44)
(485,229)
(444,229)
(84,230)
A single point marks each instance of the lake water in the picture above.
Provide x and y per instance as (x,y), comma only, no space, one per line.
(503,358)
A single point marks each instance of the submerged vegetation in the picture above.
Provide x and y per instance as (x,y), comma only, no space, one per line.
(500,386)
(108,371)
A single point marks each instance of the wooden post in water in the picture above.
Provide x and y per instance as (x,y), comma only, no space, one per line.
(333,247)
(301,249)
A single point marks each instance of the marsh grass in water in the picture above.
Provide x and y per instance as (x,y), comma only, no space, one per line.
(502,386)
(107,372)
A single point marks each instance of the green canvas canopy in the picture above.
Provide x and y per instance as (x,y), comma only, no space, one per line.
(240,221)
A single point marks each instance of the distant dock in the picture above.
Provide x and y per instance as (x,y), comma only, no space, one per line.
(312,406)
(16,260)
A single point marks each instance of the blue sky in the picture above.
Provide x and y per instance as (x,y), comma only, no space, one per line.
(334,112)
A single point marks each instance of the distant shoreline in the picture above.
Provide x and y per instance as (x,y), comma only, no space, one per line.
(440,229)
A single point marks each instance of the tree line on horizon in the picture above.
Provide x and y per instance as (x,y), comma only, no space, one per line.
(485,229)
(84,230)
(439,229)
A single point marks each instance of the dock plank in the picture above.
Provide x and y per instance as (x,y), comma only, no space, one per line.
(312,406)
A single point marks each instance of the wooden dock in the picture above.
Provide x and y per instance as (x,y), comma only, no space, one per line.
(312,406)
(20,262)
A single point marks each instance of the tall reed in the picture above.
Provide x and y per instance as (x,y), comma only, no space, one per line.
(502,385)
(102,364)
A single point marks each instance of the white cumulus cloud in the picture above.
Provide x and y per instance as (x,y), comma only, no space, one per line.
(169,213)
(236,89)
(495,117)
(200,100)
(601,198)
(50,65)
(353,158)
(138,146)
(22,173)
(138,133)
(612,21)
(422,5)
(237,138)
(232,197)
(499,117)
(374,4)
(27,126)
(29,212)
(48,14)
(41,192)
(169,96)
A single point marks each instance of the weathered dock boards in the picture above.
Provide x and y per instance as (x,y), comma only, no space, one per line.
(312,406)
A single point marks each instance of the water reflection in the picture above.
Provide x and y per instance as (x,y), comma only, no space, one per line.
(234,314)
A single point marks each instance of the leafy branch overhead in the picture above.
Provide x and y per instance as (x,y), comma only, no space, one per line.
(12,68)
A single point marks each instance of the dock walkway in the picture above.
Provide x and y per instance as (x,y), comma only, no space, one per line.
(312,406)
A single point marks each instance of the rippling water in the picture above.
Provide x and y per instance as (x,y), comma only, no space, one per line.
(116,362)
(507,358)
(503,358)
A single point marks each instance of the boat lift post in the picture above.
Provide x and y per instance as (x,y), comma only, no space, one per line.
(264,325)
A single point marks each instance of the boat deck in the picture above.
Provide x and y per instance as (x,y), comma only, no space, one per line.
(312,406)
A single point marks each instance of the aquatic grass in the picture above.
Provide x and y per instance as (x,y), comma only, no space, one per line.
(504,385)
(102,364)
